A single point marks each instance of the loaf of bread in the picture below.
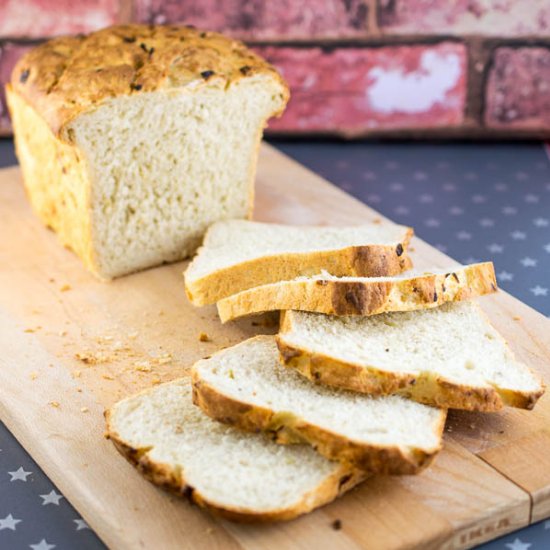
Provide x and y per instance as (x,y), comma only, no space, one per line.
(134,139)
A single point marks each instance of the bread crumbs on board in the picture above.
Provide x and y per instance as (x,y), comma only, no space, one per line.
(65,288)
(203,337)
(55,404)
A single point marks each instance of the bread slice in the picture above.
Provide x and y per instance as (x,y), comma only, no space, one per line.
(331,295)
(246,386)
(134,139)
(237,255)
(241,476)
(449,356)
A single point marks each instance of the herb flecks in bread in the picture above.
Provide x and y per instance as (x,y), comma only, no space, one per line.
(134,139)
(331,295)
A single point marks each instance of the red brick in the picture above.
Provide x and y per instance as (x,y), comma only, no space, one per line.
(44,18)
(518,89)
(460,17)
(261,20)
(357,90)
(9,54)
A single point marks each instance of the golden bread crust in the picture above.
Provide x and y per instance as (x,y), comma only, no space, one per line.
(67,76)
(362,297)
(358,261)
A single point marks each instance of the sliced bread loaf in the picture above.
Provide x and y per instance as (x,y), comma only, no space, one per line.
(241,476)
(134,139)
(246,386)
(449,356)
(239,254)
(331,295)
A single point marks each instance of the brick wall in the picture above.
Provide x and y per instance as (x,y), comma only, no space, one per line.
(356,67)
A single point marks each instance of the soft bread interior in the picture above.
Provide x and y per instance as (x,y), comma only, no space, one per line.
(165,165)
(251,372)
(235,241)
(455,341)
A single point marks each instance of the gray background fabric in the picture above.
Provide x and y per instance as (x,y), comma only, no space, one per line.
(473,201)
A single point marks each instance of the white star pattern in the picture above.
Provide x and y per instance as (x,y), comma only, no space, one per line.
(19,475)
(501,187)
(509,210)
(479,199)
(426,198)
(51,498)
(342,164)
(548,186)
(470,176)
(505,276)
(392,165)
(531,198)
(495,248)
(396,187)
(528,262)
(547,247)
(486,222)
(463,236)
(375,199)
(369,176)
(442,165)
(456,211)
(518,235)
(539,291)
(401,210)
(547,524)
(80,524)
(42,545)
(9,522)
(471,260)
(449,187)
(432,222)
(441,247)
(521,176)
(518,545)
(420,176)
(541,222)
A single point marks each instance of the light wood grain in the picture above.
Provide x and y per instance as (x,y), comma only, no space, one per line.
(52,310)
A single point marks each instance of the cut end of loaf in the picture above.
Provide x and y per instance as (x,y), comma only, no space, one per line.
(165,166)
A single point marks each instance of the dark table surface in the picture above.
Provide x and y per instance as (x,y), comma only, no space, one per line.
(475,202)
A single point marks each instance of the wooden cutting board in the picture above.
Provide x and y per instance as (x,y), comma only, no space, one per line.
(72,345)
